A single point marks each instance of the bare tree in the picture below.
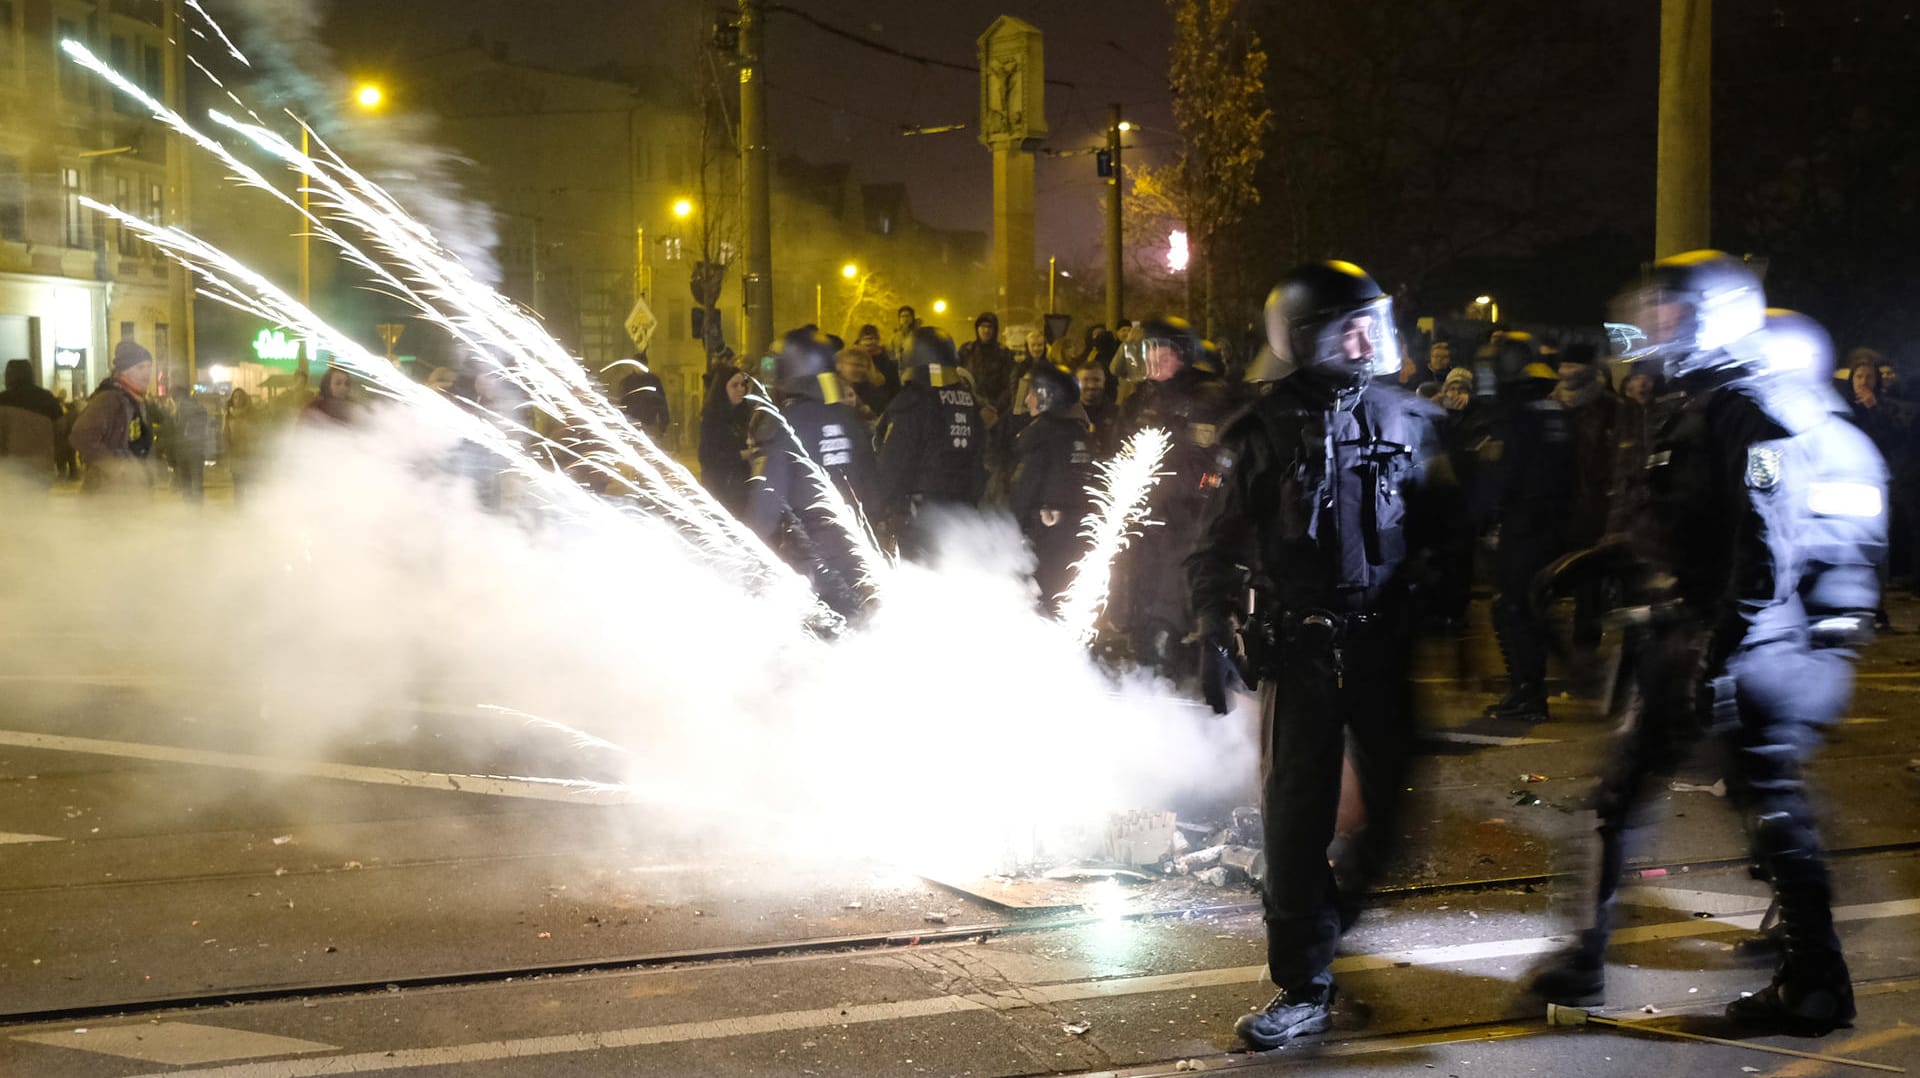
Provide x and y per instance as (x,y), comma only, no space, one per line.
(1218,72)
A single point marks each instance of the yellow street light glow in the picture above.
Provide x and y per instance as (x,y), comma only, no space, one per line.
(1483,300)
(849,271)
(939,306)
(1125,127)
(683,208)
(369,96)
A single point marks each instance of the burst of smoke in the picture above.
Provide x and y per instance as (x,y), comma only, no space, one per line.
(297,66)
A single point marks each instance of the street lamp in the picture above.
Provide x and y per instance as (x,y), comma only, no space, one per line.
(369,96)
(849,271)
(939,306)
(683,208)
(1486,306)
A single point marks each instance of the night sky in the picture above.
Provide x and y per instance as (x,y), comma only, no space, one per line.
(834,100)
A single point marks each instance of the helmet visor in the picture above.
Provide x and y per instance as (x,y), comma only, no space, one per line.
(1363,341)
(1649,320)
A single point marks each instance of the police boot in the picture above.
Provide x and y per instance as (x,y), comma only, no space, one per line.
(1291,1013)
(1808,998)
(1526,701)
(1575,977)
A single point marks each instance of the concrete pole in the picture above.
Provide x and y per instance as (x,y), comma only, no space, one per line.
(1013,246)
(1115,288)
(757,287)
(1683,192)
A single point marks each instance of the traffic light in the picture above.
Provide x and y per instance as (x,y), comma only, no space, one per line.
(1103,163)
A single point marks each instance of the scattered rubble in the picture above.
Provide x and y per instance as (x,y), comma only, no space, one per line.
(1718,789)
(1077,1029)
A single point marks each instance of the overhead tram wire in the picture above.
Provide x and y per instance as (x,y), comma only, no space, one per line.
(881,47)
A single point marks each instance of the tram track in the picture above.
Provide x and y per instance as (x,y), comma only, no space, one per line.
(881,940)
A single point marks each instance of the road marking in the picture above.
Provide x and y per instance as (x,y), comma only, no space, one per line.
(1461,738)
(1682,900)
(489,785)
(9,838)
(177,1043)
(1012,999)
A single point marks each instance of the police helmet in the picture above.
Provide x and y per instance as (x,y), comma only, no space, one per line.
(1054,388)
(804,366)
(931,356)
(1693,307)
(1169,332)
(1514,357)
(1332,318)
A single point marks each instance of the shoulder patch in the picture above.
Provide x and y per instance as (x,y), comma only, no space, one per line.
(1763,467)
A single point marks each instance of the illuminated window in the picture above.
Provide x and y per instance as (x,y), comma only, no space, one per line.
(13,199)
(670,248)
(73,215)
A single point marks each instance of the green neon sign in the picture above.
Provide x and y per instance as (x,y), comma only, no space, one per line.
(273,345)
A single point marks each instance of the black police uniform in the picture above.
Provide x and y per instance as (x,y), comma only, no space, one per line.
(1053,464)
(1325,498)
(785,500)
(1768,509)
(1192,406)
(1536,494)
(932,448)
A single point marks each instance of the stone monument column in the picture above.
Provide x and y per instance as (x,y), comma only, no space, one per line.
(1012,122)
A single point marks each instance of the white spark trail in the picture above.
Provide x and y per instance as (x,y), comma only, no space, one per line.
(232,49)
(1120,506)
(866,546)
(580,738)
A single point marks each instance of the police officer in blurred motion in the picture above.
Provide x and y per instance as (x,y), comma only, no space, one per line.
(1765,517)
(1331,490)
(932,439)
(1536,485)
(814,440)
(1053,463)
(1191,404)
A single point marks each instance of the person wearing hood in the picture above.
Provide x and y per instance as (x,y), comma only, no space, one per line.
(28,416)
(990,363)
(723,436)
(1102,346)
(1053,464)
(643,397)
(933,440)
(114,434)
(815,438)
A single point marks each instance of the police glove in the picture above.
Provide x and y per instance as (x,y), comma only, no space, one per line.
(1219,673)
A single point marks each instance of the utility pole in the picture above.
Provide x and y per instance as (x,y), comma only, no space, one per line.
(757,286)
(1683,188)
(1115,287)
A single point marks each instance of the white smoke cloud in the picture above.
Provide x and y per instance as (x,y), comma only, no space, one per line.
(362,586)
(396,150)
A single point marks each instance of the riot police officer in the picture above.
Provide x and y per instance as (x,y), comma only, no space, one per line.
(1191,404)
(1330,488)
(1053,463)
(814,439)
(932,438)
(1767,510)
(1536,485)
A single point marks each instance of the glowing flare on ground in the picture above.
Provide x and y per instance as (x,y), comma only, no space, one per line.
(1177,251)
(1120,506)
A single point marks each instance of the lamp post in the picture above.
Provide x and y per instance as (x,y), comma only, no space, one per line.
(369,97)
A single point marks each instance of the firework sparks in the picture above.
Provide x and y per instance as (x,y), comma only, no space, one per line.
(845,516)
(1120,506)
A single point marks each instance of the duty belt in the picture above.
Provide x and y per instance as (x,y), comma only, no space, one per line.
(1328,631)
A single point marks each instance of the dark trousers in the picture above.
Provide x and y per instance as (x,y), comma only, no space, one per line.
(1312,717)
(1526,547)
(1767,707)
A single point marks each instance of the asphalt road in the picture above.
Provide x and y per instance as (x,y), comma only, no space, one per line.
(175,902)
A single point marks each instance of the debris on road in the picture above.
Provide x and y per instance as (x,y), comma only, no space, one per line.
(282,840)
(1530,778)
(1079,1028)
(1140,838)
(1718,789)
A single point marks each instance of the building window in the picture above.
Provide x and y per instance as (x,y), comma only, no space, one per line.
(73,77)
(73,215)
(126,331)
(128,241)
(13,199)
(9,40)
(726,252)
(670,248)
(156,72)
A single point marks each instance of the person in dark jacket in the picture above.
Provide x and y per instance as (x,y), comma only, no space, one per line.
(1593,415)
(188,440)
(1191,405)
(28,418)
(1102,346)
(643,397)
(723,437)
(815,440)
(990,363)
(114,434)
(1053,463)
(1103,416)
(1536,491)
(1889,423)
(1331,490)
(932,439)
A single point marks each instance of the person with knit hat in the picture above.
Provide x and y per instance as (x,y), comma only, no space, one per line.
(114,434)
